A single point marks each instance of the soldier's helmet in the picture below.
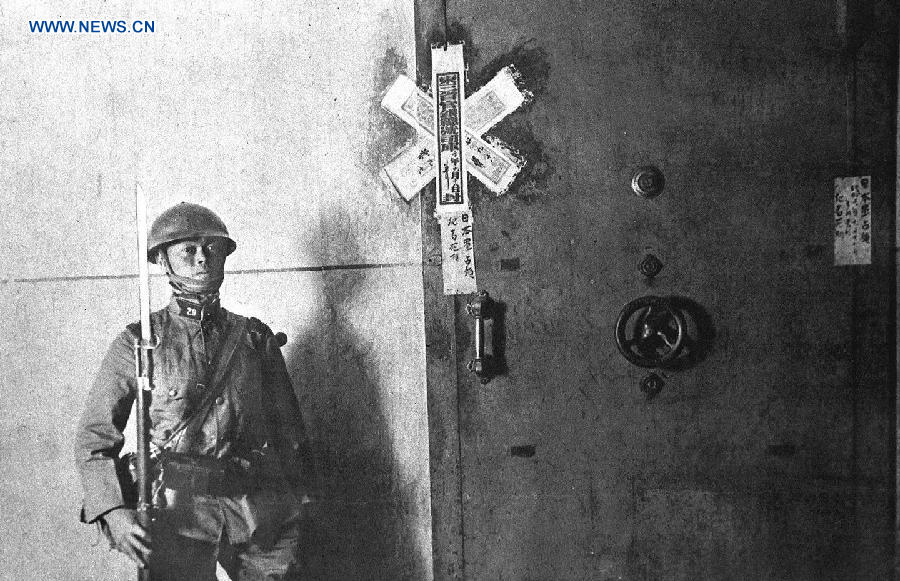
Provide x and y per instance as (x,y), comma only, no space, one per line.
(183,221)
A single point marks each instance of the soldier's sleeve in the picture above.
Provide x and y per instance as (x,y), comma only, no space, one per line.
(99,438)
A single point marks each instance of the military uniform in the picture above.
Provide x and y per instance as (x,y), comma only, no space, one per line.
(221,399)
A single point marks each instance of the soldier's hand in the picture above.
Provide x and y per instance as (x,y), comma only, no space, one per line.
(128,535)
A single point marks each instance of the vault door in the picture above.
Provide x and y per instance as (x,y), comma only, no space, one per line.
(767,455)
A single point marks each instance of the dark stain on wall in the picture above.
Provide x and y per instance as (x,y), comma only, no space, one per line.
(532,64)
(531,61)
(531,184)
(385,134)
(456,34)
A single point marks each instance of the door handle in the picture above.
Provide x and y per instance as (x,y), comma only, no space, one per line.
(481,309)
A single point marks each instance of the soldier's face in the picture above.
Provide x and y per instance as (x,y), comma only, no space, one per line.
(198,258)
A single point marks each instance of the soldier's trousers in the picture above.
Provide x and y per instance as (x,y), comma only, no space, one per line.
(179,558)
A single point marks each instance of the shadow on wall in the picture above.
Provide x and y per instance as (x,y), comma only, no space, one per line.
(364,528)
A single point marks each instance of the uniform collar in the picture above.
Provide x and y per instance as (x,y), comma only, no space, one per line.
(196,308)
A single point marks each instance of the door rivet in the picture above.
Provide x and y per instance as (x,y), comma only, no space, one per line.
(652,385)
(650,266)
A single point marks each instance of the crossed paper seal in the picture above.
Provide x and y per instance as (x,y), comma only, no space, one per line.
(490,160)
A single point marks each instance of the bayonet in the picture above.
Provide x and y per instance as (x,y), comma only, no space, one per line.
(143,362)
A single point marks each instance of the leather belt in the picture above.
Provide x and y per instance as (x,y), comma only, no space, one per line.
(206,475)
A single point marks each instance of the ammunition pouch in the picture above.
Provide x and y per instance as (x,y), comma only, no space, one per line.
(204,475)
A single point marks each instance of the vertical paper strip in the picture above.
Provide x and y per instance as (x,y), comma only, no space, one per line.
(853,220)
(458,253)
(447,78)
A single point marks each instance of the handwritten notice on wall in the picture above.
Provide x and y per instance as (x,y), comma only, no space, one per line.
(458,253)
(853,220)
(448,77)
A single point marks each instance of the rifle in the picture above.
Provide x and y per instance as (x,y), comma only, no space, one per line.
(143,369)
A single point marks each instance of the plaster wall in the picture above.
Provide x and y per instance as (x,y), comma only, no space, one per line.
(270,117)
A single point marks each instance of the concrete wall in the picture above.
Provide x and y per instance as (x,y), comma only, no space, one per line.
(271,117)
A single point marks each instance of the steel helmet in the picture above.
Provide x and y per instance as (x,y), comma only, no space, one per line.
(182,221)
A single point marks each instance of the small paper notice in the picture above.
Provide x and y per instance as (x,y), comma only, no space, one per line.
(458,253)
(853,220)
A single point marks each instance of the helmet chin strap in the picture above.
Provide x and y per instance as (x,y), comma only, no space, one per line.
(185,285)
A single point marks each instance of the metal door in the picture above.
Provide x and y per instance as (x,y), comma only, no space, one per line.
(769,455)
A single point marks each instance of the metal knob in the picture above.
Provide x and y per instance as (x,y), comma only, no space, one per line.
(647,182)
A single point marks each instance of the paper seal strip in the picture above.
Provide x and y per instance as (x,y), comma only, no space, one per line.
(491,103)
(458,253)
(447,79)
(412,169)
